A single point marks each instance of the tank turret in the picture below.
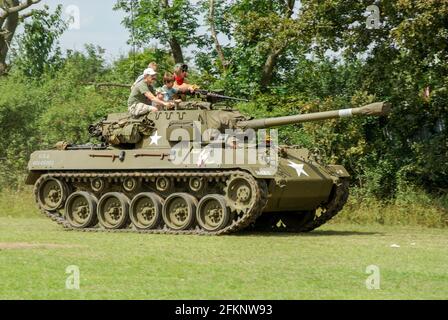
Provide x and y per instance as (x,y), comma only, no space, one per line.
(122,129)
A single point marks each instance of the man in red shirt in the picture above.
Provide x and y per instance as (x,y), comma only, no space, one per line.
(180,75)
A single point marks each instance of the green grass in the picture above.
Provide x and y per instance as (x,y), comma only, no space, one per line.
(18,204)
(326,264)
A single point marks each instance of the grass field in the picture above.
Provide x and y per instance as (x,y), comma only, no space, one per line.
(327,264)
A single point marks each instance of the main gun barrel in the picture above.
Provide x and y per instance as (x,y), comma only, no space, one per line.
(374,109)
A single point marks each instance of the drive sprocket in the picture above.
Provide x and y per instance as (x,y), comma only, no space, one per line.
(240,193)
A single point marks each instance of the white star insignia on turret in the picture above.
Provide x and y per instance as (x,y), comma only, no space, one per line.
(155,139)
(299,168)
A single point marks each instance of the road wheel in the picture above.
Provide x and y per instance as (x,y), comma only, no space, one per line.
(179,211)
(80,210)
(113,210)
(212,213)
(146,211)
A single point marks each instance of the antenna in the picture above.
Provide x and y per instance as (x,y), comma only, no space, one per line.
(133,37)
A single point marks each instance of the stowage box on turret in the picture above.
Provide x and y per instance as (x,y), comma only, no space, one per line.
(192,170)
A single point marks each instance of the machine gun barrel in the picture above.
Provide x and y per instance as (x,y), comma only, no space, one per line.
(213,95)
(374,109)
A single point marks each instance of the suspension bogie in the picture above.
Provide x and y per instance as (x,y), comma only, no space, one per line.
(178,203)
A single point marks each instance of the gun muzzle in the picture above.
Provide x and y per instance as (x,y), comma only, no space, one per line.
(374,109)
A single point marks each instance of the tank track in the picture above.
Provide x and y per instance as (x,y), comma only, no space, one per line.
(331,209)
(269,223)
(238,223)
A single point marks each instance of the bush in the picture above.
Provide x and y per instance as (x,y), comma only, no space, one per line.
(412,207)
(35,114)
(20,106)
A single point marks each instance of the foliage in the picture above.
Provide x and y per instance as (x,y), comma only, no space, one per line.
(411,207)
(128,68)
(20,104)
(172,23)
(38,50)
(35,114)
(400,63)
(88,66)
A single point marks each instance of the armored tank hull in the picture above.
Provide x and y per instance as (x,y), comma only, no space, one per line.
(167,182)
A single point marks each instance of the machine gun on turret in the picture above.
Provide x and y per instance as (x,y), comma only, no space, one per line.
(214,97)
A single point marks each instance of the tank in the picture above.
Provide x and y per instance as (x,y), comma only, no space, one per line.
(196,169)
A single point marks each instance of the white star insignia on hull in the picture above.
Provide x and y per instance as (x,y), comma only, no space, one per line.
(299,168)
(155,138)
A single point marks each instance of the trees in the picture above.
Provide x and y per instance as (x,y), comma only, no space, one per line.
(404,61)
(10,17)
(261,32)
(214,34)
(292,57)
(270,26)
(38,48)
(172,22)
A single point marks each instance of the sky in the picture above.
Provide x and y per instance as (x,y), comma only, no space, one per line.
(98,25)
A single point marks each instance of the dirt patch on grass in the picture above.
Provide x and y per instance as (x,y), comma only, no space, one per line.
(22,245)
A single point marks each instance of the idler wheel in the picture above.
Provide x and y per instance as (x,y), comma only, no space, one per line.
(146,211)
(52,194)
(179,211)
(212,213)
(80,210)
(113,210)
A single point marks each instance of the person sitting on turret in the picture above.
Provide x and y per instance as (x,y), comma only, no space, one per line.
(160,94)
(168,87)
(143,95)
(140,78)
(170,91)
(180,76)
